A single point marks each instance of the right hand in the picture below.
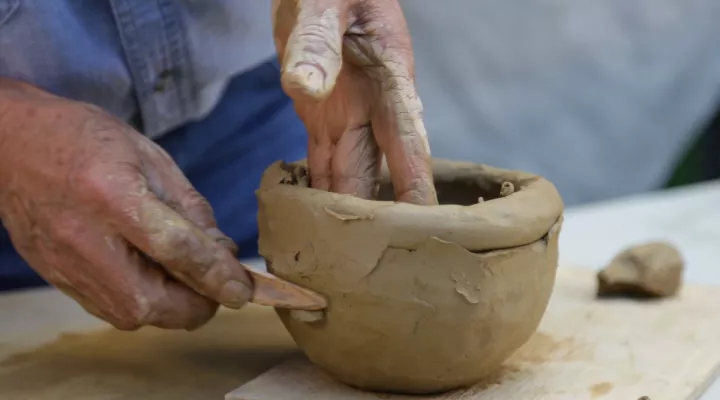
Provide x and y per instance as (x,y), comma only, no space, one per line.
(348,66)
(105,215)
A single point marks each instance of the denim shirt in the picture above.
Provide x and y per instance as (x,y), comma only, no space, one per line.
(159,62)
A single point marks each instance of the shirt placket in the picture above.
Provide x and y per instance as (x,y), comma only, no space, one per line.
(157,56)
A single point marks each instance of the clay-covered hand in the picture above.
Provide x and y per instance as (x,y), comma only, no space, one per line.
(105,215)
(348,66)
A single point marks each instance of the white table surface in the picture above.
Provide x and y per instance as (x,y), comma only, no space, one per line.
(591,236)
(689,217)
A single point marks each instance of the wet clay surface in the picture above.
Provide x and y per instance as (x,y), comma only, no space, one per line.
(648,270)
(150,364)
(419,301)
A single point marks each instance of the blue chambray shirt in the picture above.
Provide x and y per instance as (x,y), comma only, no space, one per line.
(161,62)
(200,77)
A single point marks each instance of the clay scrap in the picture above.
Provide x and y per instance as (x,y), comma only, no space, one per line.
(653,269)
(421,298)
(506,189)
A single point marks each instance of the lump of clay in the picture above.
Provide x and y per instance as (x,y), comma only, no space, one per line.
(421,299)
(652,269)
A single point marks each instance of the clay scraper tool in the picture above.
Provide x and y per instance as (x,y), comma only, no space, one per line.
(269,290)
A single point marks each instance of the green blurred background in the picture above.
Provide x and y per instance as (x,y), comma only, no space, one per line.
(700,162)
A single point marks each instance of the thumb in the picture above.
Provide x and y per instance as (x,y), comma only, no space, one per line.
(313,54)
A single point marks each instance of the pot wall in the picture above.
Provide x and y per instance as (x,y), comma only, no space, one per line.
(427,316)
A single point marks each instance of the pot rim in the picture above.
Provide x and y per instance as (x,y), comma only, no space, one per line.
(521,218)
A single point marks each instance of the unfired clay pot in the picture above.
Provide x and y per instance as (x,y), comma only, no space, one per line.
(422,299)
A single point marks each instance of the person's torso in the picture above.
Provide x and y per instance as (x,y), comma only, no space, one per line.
(165,62)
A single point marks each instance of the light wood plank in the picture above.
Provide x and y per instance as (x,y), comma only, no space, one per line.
(584,349)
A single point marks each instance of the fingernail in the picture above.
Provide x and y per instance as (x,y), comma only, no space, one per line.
(234,294)
(308,78)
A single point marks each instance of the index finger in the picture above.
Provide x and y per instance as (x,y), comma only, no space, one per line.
(182,249)
(397,122)
(400,133)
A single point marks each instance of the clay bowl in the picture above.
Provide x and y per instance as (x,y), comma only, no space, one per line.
(422,299)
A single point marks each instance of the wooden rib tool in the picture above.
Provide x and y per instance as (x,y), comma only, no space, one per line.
(269,290)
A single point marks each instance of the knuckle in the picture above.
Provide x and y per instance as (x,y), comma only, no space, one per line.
(226,242)
(216,275)
(192,199)
(124,325)
(315,38)
(182,252)
(89,185)
(65,229)
(126,308)
(135,312)
(208,275)
(97,177)
(125,311)
(171,245)
(311,31)
(179,239)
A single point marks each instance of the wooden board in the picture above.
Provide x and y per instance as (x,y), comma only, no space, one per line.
(584,349)
(149,364)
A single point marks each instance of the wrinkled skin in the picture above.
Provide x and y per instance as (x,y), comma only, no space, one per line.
(348,66)
(105,215)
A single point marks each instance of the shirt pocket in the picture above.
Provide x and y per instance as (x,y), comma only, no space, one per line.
(7,9)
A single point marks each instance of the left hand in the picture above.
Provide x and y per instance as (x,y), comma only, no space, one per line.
(105,215)
(349,68)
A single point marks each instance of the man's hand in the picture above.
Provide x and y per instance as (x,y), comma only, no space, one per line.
(348,66)
(105,215)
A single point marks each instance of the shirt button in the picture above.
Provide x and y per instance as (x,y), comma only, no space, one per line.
(163,80)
